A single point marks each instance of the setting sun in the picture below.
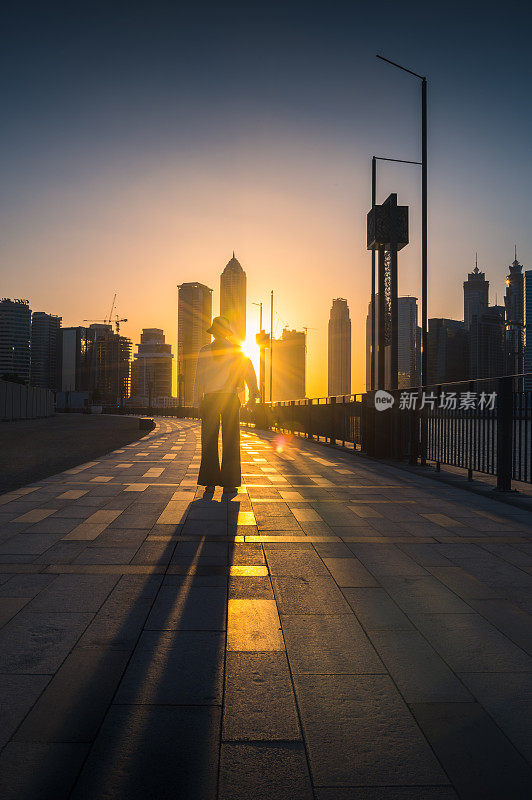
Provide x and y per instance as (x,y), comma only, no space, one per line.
(251,350)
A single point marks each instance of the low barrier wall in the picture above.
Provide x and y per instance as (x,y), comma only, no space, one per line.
(24,402)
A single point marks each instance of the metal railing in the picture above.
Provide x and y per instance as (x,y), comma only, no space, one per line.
(335,420)
(492,435)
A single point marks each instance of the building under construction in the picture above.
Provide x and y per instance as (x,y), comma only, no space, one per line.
(111,360)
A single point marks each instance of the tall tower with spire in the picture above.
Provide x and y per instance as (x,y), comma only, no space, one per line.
(514,322)
(476,294)
(233,296)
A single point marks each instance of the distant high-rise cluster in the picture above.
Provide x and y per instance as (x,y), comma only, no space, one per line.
(489,342)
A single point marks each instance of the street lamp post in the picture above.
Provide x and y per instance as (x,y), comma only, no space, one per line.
(424,342)
(271,348)
(261,339)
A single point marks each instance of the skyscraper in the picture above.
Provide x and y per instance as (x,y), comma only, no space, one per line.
(45,355)
(15,337)
(514,319)
(289,355)
(78,359)
(194,315)
(486,344)
(476,295)
(339,347)
(448,351)
(151,368)
(408,345)
(233,296)
(407,361)
(528,328)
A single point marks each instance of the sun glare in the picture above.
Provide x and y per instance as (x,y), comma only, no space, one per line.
(251,350)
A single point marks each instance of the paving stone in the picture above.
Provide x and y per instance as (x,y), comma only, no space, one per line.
(511,620)
(296,563)
(158,752)
(426,554)
(318,595)
(39,771)
(17,695)
(462,583)
(259,699)
(255,588)
(74,593)
(258,770)
(177,668)
(37,643)
(349,572)
(28,544)
(420,595)
(386,559)
(189,607)
(507,697)
(154,553)
(253,625)
(419,673)
(54,525)
(117,628)
(468,643)
(74,703)
(105,555)
(328,644)
(479,759)
(333,550)
(389,793)
(10,606)
(200,553)
(359,732)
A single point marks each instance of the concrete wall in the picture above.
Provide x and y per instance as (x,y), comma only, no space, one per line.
(24,402)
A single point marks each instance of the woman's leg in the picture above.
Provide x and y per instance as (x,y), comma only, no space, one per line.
(230,472)
(209,473)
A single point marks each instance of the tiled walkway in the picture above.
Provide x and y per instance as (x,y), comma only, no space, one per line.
(337,630)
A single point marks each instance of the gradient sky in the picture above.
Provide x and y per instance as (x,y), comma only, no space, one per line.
(141,143)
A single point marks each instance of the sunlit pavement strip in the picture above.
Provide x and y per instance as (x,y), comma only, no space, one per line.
(336,629)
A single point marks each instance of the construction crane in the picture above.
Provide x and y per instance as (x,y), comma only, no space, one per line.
(116,322)
(109,320)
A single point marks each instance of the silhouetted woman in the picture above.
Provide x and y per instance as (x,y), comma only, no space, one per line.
(220,375)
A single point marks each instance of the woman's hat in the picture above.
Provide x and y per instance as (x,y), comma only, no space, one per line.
(221,327)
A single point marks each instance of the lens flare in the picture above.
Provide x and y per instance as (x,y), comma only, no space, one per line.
(281,443)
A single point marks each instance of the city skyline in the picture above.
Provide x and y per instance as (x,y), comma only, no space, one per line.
(489,321)
(181,156)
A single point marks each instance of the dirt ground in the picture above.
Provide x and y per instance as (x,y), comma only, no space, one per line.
(34,449)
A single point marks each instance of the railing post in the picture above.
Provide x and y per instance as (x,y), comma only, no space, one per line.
(504,434)
(414,439)
(292,406)
(469,440)
(332,424)
(309,418)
